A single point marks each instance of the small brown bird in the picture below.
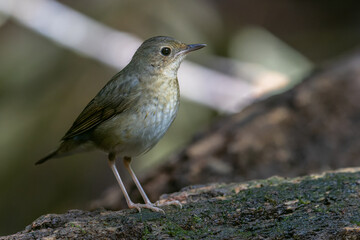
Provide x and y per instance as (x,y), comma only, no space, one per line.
(132,111)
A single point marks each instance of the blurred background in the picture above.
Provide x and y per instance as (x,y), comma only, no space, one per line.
(56,55)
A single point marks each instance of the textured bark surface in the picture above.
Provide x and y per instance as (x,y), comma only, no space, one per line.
(322,206)
(312,128)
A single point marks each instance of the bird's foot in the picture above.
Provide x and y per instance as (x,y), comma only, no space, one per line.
(150,206)
(165,202)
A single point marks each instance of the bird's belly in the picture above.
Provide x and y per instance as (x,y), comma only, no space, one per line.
(135,132)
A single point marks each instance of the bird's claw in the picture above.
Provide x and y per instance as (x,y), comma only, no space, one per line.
(155,206)
(167,203)
(150,206)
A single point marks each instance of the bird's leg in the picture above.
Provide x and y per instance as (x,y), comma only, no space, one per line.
(148,204)
(121,184)
(123,189)
(127,161)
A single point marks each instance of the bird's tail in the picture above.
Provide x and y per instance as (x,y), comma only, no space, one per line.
(48,157)
(67,147)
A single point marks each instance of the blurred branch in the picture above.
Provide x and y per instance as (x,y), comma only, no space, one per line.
(82,34)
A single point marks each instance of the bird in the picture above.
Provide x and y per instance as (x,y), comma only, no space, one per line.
(132,112)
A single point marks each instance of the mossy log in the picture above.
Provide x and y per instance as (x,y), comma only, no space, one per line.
(325,206)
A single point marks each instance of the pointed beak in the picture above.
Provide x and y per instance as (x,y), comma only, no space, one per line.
(193,47)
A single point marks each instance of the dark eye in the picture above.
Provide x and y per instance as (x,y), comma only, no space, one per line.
(165,51)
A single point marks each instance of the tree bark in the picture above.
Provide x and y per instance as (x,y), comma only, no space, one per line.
(322,206)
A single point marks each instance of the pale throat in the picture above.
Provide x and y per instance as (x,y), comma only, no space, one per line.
(171,70)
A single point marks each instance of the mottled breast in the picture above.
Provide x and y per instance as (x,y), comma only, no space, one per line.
(138,129)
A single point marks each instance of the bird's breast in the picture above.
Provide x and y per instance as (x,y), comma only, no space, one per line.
(158,110)
(139,128)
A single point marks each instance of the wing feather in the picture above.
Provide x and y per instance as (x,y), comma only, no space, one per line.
(112,100)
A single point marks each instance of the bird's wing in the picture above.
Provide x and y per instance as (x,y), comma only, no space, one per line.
(111,100)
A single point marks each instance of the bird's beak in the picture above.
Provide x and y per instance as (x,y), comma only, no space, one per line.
(193,47)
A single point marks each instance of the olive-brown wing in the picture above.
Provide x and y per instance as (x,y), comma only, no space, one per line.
(111,101)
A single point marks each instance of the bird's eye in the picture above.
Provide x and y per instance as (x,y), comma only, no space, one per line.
(165,51)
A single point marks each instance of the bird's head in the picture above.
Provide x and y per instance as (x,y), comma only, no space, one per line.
(162,54)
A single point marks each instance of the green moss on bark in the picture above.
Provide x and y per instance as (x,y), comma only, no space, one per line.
(325,206)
